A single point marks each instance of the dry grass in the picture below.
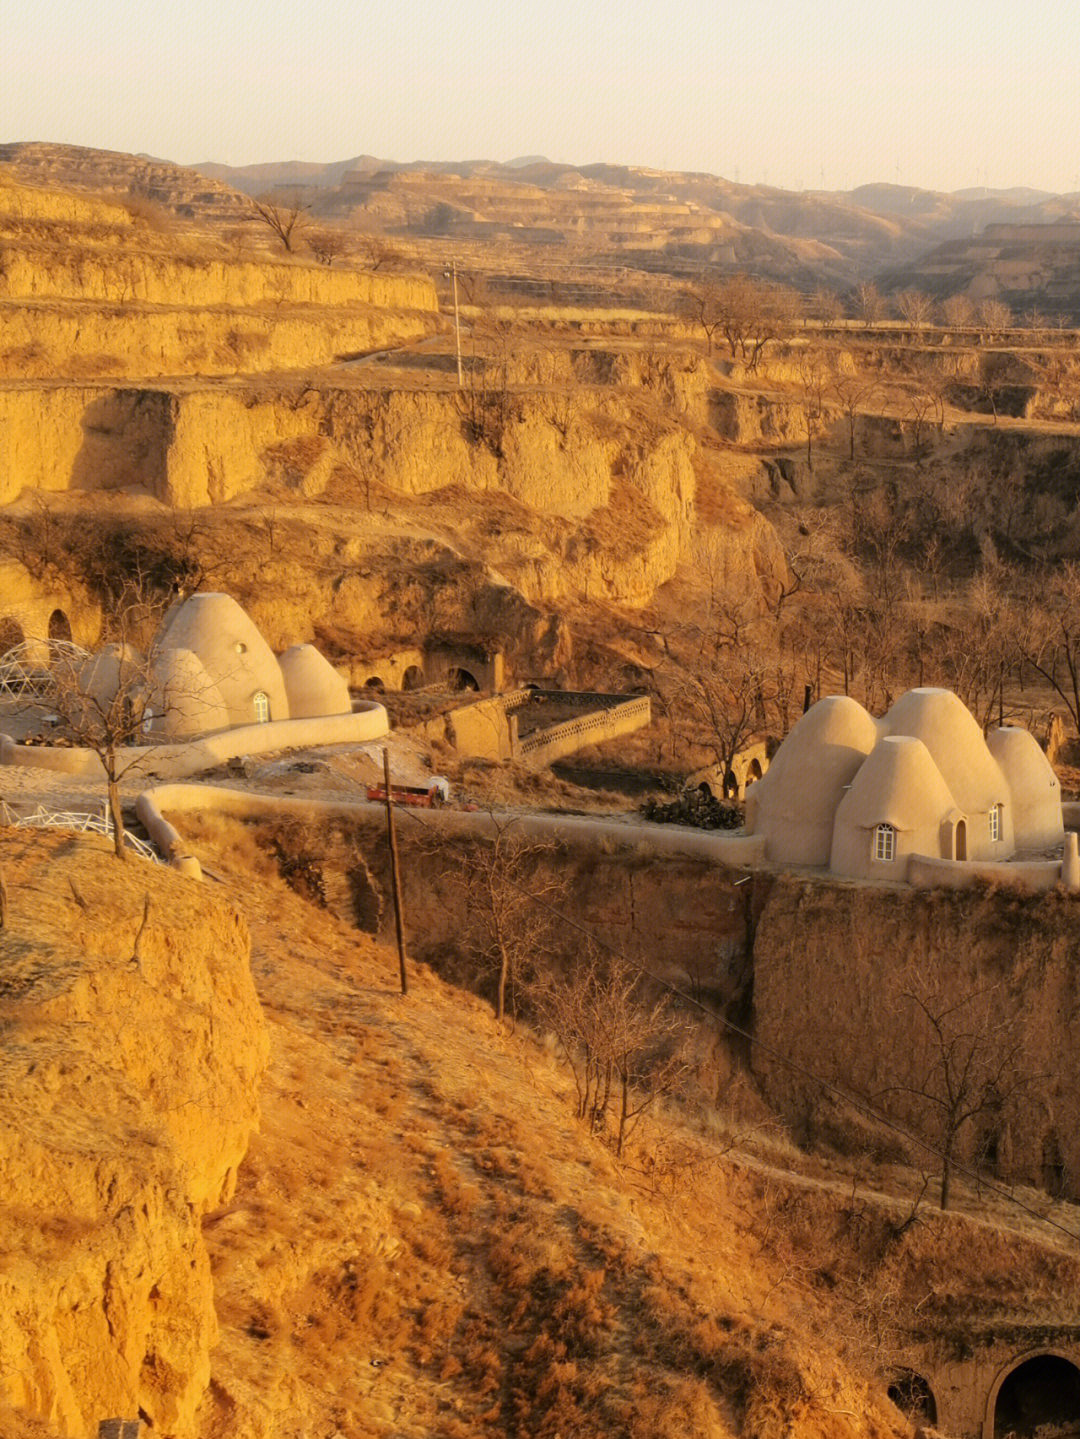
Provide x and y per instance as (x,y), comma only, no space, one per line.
(425,1243)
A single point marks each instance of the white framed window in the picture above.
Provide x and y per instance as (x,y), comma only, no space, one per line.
(261,701)
(885,843)
(995,822)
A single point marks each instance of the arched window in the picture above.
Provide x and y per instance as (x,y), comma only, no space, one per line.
(885,842)
(995,822)
(262,707)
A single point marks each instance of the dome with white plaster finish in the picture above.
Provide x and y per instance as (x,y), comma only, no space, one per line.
(794,804)
(898,784)
(957,746)
(183,702)
(234,654)
(312,684)
(114,669)
(1033,785)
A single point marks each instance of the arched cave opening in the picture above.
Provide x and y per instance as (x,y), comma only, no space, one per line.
(461,679)
(413,678)
(912,1395)
(11,634)
(1040,1396)
(59,626)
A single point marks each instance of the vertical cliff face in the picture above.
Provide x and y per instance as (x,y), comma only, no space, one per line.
(875,989)
(133,1049)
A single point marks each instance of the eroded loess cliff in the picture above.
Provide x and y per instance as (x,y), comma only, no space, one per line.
(133,1051)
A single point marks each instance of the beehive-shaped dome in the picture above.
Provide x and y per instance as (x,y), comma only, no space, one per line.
(1033,786)
(900,786)
(115,670)
(182,700)
(233,653)
(312,684)
(793,806)
(956,744)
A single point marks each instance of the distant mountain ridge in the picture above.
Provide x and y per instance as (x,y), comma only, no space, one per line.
(666,222)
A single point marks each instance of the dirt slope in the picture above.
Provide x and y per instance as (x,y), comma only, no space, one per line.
(424,1242)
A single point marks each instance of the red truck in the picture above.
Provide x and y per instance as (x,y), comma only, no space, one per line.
(427,796)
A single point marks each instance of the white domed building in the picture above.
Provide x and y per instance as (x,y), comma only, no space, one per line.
(210,669)
(313,686)
(861,796)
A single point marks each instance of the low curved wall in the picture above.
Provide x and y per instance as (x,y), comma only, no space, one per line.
(179,761)
(670,841)
(926,873)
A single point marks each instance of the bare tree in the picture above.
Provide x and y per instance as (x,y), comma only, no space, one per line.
(624,1046)
(869,303)
(749,314)
(378,251)
(1049,635)
(925,409)
(915,307)
(327,245)
(284,214)
(118,702)
(994,317)
(511,889)
(718,693)
(958,312)
(964,1056)
(813,376)
(854,393)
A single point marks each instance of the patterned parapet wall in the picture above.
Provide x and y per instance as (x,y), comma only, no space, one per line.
(547,745)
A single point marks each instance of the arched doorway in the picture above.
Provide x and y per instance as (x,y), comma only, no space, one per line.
(413,678)
(1041,1394)
(59,629)
(912,1395)
(375,683)
(753,773)
(59,626)
(961,839)
(461,679)
(731,785)
(11,634)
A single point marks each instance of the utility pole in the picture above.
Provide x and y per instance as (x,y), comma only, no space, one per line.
(457,325)
(395,878)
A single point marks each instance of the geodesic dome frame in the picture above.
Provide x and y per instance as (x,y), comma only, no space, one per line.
(23,674)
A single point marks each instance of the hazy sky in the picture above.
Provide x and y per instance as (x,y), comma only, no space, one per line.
(818,92)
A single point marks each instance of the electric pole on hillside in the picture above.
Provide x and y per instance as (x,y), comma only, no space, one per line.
(395,880)
(452,274)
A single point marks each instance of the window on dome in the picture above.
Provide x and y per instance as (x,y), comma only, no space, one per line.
(995,822)
(262,707)
(885,843)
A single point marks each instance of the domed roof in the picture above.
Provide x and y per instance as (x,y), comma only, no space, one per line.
(115,667)
(233,652)
(793,805)
(312,684)
(182,699)
(952,735)
(1033,786)
(899,785)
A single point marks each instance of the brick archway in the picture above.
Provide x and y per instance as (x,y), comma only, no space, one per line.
(1018,1361)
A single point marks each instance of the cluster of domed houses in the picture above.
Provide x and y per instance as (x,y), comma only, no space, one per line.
(863,797)
(859,797)
(210,669)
